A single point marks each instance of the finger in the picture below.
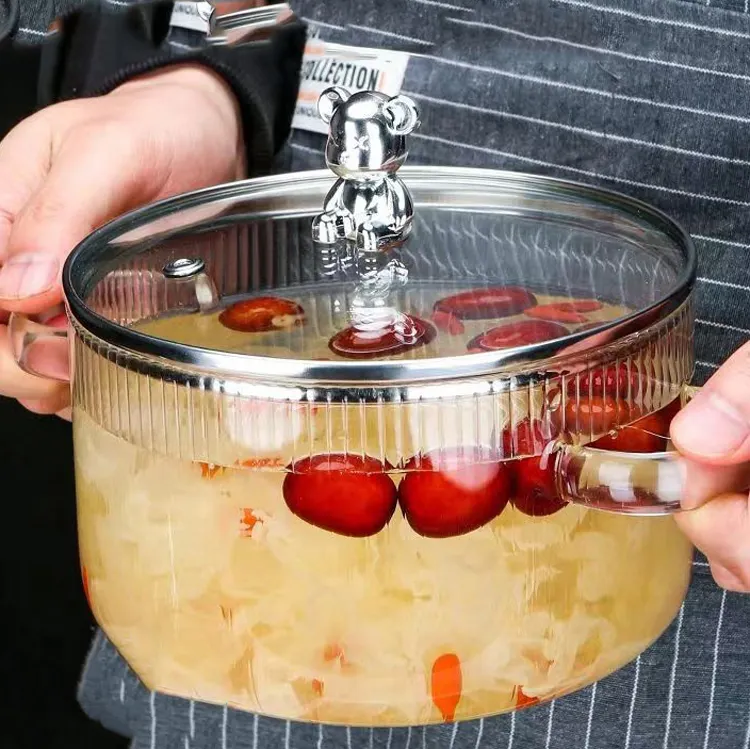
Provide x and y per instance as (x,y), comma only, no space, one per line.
(24,164)
(97,174)
(15,383)
(56,405)
(703,482)
(721,530)
(715,426)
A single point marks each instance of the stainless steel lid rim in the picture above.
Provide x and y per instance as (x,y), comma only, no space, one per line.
(97,252)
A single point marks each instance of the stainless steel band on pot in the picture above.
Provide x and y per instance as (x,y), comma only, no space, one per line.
(138,399)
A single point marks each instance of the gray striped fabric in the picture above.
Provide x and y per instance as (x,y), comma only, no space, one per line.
(647,97)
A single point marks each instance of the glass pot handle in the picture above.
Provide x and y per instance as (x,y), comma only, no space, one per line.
(33,337)
(620,482)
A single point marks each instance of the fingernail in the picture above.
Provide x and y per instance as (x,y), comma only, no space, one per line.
(28,275)
(710,426)
(49,358)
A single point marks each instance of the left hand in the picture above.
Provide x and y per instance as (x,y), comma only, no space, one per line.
(74,166)
(713,433)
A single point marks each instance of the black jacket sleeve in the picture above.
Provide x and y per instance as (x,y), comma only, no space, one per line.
(102,46)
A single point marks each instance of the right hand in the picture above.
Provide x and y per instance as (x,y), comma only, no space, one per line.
(713,434)
(74,166)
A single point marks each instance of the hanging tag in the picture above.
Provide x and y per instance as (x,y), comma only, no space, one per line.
(353,68)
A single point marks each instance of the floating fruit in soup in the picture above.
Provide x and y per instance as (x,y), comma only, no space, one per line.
(597,415)
(647,435)
(580,305)
(485,304)
(523,700)
(345,494)
(634,438)
(262,314)
(453,491)
(567,312)
(405,333)
(446,683)
(516,334)
(535,488)
(447,322)
(524,438)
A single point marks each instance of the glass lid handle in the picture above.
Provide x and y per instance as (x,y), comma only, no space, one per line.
(189,275)
(369,204)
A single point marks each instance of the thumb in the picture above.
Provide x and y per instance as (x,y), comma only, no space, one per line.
(96,175)
(721,530)
(714,428)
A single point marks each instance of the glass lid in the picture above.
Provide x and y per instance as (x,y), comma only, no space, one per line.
(379,273)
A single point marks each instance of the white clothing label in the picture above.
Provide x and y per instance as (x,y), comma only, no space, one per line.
(195,16)
(353,68)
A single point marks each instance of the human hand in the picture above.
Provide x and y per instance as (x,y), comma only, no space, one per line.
(74,166)
(713,433)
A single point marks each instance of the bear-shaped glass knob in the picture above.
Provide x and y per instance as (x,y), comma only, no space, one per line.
(369,204)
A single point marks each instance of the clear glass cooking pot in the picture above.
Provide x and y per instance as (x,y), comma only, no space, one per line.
(363,486)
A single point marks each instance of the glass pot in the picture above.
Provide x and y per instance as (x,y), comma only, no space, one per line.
(330,482)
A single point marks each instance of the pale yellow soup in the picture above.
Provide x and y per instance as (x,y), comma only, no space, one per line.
(212,589)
